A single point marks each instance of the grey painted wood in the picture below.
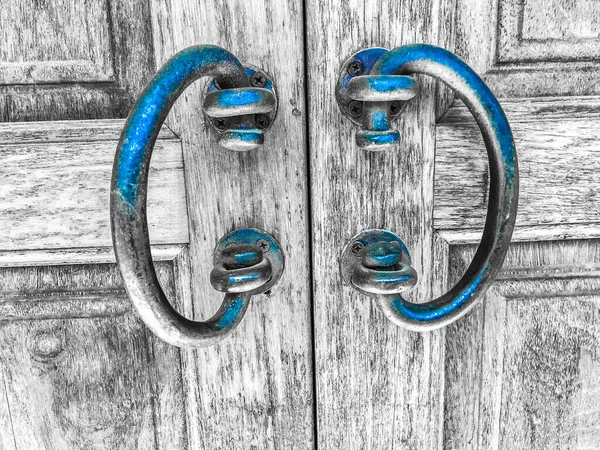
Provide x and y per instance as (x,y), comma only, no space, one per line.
(521,371)
(89,375)
(73,60)
(532,48)
(78,369)
(255,389)
(56,178)
(377,386)
(558,148)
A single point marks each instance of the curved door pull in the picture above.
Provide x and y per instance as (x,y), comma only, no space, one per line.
(376,262)
(247,261)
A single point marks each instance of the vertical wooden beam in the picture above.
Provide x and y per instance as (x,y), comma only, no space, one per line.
(378,386)
(254,390)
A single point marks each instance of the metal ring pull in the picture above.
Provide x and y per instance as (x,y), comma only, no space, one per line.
(376,262)
(247,261)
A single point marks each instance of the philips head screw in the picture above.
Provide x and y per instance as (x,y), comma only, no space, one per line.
(261,121)
(221,123)
(264,245)
(355,68)
(258,80)
(355,108)
(357,248)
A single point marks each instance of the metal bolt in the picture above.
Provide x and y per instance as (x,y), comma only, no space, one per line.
(357,248)
(355,108)
(264,245)
(258,80)
(355,68)
(395,108)
(220,123)
(261,121)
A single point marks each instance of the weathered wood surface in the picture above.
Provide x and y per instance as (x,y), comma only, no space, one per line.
(73,60)
(254,390)
(377,386)
(55,190)
(531,48)
(522,368)
(557,144)
(90,375)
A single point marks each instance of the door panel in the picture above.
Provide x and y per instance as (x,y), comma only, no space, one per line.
(55,192)
(522,370)
(79,370)
(254,390)
(519,371)
(66,59)
(78,367)
(526,48)
(378,386)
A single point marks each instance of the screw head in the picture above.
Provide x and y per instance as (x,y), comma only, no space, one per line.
(395,108)
(355,108)
(264,245)
(261,121)
(356,248)
(258,80)
(221,123)
(355,68)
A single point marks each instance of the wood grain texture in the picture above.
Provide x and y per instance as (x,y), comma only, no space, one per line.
(378,386)
(89,375)
(522,368)
(557,146)
(254,390)
(55,190)
(66,59)
(531,48)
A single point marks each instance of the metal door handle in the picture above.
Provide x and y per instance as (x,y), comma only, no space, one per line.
(377,262)
(247,261)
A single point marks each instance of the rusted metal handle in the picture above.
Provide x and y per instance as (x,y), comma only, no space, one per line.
(241,271)
(377,96)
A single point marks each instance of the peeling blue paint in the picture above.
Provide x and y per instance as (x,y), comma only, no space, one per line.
(378,138)
(245,277)
(248,258)
(379,121)
(391,277)
(427,312)
(231,313)
(150,110)
(390,83)
(231,99)
(247,135)
(393,61)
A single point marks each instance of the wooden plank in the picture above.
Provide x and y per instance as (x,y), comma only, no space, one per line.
(54,198)
(557,146)
(73,60)
(378,386)
(79,370)
(531,48)
(253,390)
(522,368)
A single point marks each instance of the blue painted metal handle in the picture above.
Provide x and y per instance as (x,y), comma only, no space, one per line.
(504,183)
(129,188)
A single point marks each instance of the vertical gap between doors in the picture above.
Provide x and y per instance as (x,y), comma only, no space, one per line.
(310,223)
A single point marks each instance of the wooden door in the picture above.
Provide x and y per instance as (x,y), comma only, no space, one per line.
(78,369)
(522,370)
